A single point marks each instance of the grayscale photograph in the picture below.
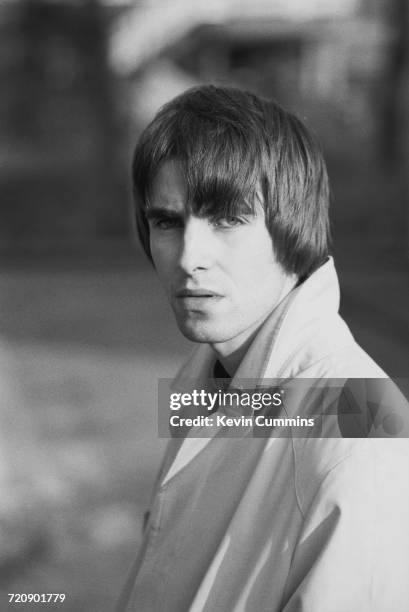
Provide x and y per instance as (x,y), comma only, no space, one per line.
(204,305)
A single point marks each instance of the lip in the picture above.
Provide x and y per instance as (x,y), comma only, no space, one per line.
(201,292)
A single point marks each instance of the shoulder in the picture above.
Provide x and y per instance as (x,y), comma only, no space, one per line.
(347,360)
(355,471)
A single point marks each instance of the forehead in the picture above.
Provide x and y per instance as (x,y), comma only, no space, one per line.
(208,197)
(169,187)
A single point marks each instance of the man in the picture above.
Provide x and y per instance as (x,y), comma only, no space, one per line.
(231,197)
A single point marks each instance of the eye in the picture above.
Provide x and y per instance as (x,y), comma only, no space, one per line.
(165,223)
(227,222)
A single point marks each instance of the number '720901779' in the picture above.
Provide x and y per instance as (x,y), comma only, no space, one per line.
(18,598)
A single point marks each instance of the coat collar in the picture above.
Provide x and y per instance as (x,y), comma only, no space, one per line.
(295,335)
(301,330)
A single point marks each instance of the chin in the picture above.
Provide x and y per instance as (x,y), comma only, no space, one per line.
(198,331)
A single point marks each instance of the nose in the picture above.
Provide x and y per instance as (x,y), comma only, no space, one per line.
(197,248)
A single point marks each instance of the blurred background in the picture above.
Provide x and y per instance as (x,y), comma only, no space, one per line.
(84,327)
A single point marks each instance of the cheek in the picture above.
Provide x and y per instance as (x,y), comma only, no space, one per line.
(163,257)
(158,257)
(257,280)
(254,263)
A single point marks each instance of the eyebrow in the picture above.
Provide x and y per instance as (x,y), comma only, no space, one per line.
(156,212)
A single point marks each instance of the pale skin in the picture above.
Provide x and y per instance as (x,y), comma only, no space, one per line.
(221,276)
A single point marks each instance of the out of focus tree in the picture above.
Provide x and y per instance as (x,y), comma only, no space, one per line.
(396,81)
(402,102)
(396,120)
(391,101)
(59,180)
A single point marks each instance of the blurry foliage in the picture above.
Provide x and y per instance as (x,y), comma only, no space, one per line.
(59,167)
(68,124)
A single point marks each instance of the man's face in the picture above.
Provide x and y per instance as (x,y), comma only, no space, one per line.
(221,276)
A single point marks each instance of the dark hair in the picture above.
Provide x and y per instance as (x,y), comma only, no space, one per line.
(232,144)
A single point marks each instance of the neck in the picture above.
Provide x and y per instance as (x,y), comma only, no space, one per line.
(229,356)
(232,352)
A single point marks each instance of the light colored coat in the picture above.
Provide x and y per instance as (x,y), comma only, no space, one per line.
(280,524)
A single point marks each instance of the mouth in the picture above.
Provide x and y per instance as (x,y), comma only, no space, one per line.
(197,293)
